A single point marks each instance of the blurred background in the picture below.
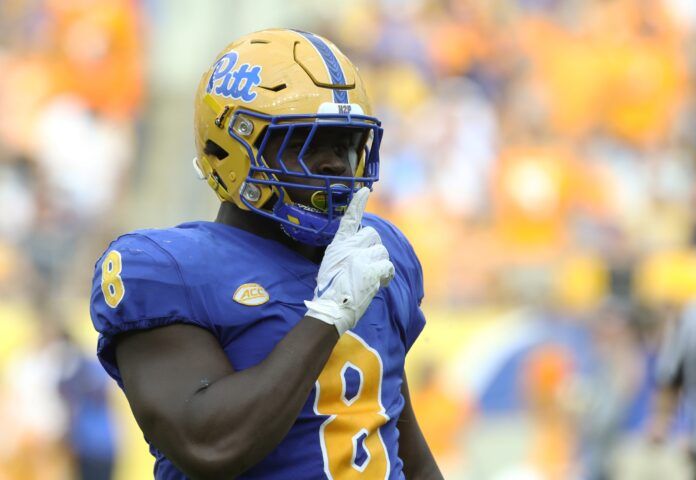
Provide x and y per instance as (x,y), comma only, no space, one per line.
(539,154)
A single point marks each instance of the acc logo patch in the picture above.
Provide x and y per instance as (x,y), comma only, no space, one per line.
(251,295)
(234,81)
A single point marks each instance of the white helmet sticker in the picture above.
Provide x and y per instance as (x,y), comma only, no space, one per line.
(341,108)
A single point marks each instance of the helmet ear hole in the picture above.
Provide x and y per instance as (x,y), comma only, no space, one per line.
(212,148)
(219,181)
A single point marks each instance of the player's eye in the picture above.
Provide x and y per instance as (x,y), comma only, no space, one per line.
(298,139)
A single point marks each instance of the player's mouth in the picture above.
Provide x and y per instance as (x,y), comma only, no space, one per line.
(319,200)
(339,196)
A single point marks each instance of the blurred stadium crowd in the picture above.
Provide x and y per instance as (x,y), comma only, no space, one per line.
(539,154)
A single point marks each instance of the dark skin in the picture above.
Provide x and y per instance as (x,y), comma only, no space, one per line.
(214,422)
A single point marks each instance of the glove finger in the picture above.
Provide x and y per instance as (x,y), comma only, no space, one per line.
(382,272)
(368,237)
(350,222)
(377,252)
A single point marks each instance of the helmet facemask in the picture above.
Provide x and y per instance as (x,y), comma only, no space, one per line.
(310,190)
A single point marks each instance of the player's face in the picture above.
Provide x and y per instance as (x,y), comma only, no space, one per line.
(331,151)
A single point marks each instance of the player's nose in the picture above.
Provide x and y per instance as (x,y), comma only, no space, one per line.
(332,162)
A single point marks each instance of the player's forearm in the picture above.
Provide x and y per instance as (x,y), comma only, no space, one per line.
(242,417)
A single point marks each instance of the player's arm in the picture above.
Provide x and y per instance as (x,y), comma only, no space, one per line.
(209,420)
(419,463)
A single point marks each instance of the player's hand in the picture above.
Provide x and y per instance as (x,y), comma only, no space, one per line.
(355,266)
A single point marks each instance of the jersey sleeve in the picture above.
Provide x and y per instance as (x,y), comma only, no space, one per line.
(137,285)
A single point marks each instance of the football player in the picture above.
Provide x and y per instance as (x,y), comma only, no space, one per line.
(271,342)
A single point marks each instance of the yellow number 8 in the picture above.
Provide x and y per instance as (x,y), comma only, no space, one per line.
(112,284)
(350,440)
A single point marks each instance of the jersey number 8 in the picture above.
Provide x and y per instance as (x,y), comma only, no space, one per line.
(350,440)
(112,283)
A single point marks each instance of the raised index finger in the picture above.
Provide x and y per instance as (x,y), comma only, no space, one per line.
(350,223)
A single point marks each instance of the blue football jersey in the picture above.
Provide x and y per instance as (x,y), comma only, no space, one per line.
(249,292)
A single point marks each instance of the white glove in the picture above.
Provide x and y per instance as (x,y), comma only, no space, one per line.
(355,266)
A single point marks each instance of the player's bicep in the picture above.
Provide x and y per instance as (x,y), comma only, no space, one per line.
(162,369)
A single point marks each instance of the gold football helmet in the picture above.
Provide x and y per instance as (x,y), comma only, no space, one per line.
(286,85)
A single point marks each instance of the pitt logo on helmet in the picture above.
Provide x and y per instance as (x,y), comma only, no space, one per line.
(234,83)
(251,294)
